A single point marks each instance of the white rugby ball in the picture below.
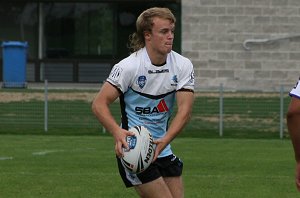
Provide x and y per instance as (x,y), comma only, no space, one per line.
(140,154)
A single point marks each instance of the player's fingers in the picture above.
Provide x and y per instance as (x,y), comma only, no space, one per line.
(129,133)
(154,157)
(118,149)
(156,153)
(156,141)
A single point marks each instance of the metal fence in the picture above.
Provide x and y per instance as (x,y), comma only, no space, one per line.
(218,113)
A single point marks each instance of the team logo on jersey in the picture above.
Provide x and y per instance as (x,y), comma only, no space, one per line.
(115,73)
(141,81)
(175,80)
(160,108)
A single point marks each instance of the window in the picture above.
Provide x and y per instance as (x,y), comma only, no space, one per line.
(19,22)
(78,30)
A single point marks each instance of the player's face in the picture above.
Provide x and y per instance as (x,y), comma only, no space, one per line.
(161,37)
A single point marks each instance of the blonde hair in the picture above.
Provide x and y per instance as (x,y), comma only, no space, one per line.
(144,23)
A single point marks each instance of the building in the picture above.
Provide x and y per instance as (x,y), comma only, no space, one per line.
(74,41)
(242,44)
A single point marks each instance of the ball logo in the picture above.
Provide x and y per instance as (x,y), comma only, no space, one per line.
(131,141)
(150,150)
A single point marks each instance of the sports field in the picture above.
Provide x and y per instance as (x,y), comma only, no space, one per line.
(84,166)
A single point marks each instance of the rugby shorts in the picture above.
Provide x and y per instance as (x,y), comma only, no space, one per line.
(169,166)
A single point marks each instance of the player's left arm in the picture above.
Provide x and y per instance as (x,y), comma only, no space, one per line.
(185,100)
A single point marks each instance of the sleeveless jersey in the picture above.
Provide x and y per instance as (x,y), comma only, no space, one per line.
(148,91)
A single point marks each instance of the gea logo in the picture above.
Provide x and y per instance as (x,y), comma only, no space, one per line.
(160,108)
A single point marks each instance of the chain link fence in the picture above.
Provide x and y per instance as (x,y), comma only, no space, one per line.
(219,113)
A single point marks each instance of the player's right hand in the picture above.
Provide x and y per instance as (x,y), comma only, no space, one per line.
(120,141)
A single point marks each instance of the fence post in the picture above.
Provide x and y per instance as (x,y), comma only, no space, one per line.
(221,111)
(46,107)
(281,111)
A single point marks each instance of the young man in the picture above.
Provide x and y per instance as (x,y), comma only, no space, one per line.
(147,83)
(293,123)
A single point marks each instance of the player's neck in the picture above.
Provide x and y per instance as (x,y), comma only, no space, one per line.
(157,59)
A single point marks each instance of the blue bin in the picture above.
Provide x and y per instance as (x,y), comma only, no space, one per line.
(14,64)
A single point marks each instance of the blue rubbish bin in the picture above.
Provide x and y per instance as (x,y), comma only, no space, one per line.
(14,64)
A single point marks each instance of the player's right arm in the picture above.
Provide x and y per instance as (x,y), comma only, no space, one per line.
(293,123)
(100,107)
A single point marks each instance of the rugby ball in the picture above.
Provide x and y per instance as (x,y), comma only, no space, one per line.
(140,154)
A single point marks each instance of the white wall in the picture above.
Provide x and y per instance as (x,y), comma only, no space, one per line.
(213,32)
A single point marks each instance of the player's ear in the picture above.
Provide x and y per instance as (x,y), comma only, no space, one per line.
(147,35)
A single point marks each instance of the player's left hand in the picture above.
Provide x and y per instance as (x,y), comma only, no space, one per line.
(160,145)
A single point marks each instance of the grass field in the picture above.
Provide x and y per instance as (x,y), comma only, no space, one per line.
(84,166)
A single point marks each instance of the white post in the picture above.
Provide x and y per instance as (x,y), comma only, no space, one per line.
(221,111)
(281,112)
(46,107)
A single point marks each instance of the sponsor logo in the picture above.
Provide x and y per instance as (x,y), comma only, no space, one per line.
(160,108)
(158,71)
(141,81)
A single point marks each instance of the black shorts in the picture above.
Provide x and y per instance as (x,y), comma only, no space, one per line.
(170,166)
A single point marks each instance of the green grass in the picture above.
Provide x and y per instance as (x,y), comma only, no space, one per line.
(84,166)
(249,161)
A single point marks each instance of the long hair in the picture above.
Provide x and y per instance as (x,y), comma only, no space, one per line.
(144,23)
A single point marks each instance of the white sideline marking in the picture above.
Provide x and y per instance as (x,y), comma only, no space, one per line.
(6,158)
(45,152)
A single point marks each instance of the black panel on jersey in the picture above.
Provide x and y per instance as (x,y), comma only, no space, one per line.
(123,113)
(153,97)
